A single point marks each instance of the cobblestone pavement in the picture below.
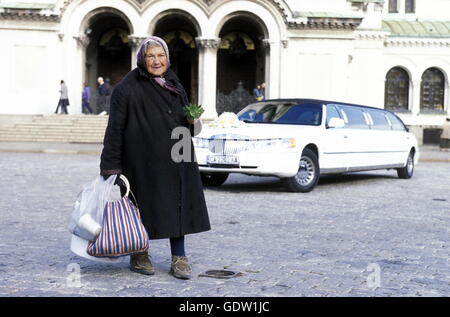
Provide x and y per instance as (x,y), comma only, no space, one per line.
(366,234)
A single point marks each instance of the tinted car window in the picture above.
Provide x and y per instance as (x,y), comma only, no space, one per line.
(306,113)
(332,113)
(395,122)
(354,117)
(379,120)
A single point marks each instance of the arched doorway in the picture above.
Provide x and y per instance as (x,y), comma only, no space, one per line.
(432,90)
(396,91)
(240,62)
(108,54)
(179,31)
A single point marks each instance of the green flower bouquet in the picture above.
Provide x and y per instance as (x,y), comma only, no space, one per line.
(193,111)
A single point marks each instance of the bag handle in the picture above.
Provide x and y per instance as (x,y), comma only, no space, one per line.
(126,182)
(127,185)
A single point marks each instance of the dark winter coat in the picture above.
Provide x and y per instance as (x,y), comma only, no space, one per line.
(138,144)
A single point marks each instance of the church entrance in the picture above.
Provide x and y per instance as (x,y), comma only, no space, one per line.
(108,53)
(240,62)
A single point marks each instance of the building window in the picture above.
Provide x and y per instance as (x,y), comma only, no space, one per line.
(393,6)
(432,90)
(410,6)
(396,91)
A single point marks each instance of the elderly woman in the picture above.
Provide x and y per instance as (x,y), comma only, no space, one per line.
(146,105)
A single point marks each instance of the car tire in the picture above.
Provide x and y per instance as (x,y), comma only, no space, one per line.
(213,179)
(407,171)
(307,176)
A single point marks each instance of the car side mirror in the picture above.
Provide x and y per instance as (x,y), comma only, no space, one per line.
(335,123)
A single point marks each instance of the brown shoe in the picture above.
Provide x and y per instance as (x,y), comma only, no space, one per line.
(140,263)
(180,267)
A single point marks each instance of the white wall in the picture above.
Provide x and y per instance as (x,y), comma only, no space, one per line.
(323,64)
(315,67)
(30,74)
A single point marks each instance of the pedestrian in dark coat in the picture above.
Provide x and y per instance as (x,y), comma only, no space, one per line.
(63,99)
(146,105)
(103,92)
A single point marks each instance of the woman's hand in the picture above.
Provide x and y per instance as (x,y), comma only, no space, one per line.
(118,180)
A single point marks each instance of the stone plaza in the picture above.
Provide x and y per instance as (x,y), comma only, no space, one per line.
(363,234)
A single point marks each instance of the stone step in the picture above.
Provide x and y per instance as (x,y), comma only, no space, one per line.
(70,117)
(57,128)
(84,135)
(54,128)
(80,135)
(66,122)
(71,120)
(79,140)
(59,124)
(60,128)
(51,135)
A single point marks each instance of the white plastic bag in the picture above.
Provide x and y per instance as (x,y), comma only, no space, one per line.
(87,214)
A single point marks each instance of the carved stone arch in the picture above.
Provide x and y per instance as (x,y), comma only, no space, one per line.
(171,12)
(104,10)
(248,15)
(199,3)
(280,6)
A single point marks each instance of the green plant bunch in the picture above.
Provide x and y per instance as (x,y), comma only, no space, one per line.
(193,111)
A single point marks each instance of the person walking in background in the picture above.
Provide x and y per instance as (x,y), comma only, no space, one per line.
(445,135)
(102,99)
(257,93)
(146,106)
(63,99)
(263,91)
(108,94)
(85,98)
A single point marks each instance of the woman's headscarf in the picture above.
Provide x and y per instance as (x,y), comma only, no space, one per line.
(141,60)
(150,42)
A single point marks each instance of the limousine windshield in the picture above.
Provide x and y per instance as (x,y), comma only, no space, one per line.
(290,112)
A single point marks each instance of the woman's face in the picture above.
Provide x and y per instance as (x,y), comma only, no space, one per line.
(156,61)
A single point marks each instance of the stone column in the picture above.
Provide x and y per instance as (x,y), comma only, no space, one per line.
(135,42)
(273,66)
(207,81)
(267,75)
(79,77)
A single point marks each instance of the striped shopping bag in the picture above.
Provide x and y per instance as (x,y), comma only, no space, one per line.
(122,231)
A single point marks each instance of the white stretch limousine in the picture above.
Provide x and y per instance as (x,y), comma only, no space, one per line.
(300,139)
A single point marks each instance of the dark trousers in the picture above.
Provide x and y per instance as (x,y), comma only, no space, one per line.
(63,103)
(101,104)
(86,106)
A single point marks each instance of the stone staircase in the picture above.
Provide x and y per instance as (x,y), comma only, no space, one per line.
(56,128)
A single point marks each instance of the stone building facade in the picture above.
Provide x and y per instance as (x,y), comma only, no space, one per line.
(391,54)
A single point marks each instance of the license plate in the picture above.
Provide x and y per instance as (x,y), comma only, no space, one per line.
(222,159)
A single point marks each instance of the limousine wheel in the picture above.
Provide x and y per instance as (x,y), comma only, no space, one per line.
(407,171)
(213,179)
(307,175)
